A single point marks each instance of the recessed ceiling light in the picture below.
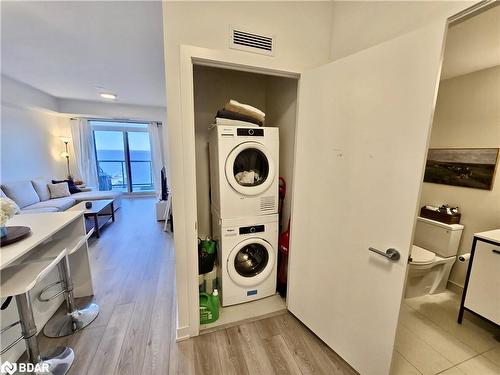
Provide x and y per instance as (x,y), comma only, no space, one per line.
(108,95)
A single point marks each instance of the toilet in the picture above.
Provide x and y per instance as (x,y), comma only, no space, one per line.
(434,251)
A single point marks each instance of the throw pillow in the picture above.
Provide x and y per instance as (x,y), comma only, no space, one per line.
(21,192)
(59,190)
(71,185)
(40,185)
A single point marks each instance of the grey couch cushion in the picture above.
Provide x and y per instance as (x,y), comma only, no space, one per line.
(21,192)
(61,204)
(41,188)
(38,210)
(95,195)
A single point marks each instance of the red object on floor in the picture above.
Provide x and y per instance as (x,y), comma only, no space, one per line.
(283,249)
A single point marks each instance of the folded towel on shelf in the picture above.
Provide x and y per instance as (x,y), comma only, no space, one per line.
(223,113)
(231,122)
(245,109)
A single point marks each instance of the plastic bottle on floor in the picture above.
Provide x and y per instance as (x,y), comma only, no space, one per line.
(209,307)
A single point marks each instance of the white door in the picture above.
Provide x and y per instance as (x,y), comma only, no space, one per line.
(363,126)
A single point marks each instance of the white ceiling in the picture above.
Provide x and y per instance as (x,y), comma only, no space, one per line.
(69,49)
(473,44)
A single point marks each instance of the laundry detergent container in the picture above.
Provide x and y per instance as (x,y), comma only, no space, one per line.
(433,253)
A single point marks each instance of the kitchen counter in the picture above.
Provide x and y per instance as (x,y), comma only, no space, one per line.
(43,227)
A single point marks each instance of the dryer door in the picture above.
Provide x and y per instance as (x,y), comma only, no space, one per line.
(251,262)
(250,169)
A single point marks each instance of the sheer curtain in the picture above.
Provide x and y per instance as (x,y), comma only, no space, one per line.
(83,145)
(155,133)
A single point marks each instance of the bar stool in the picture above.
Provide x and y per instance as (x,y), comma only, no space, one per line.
(18,281)
(73,319)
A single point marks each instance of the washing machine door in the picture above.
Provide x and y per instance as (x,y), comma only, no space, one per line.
(251,262)
(250,169)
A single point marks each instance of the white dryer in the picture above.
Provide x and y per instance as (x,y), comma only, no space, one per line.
(244,171)
(247,252)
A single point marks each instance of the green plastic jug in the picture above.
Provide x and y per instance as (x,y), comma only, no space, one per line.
(208,246)
(209,307)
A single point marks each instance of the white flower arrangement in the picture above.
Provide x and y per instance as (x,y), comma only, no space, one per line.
(7,210)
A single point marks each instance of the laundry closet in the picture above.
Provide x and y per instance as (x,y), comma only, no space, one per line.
(277,97)
(352,150)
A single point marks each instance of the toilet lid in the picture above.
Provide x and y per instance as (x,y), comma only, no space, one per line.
(421,256)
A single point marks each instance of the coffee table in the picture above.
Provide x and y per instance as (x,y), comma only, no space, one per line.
(101,211)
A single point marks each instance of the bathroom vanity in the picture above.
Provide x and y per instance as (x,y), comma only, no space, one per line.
(482,284)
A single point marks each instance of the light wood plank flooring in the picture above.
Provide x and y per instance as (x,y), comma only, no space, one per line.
(133,272)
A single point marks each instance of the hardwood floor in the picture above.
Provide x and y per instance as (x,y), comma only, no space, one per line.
(276,345)
(133,273)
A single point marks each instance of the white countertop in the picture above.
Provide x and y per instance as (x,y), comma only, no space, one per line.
(491,235)
(43,226)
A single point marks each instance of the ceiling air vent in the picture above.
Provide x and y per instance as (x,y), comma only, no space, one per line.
(251,42)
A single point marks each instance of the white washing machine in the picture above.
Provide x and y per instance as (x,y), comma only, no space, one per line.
(244,171)
(247,253)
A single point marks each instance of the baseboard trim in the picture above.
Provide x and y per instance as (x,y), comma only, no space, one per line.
(454,287)
(182,333)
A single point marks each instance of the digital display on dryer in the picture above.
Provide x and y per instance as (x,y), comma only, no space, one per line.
(250,132)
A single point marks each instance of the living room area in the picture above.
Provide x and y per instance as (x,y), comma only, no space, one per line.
(82,102)
(86,219)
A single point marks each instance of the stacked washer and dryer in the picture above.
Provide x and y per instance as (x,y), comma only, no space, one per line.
(244,203)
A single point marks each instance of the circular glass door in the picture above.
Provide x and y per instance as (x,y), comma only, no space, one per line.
(251,262)
(249,168)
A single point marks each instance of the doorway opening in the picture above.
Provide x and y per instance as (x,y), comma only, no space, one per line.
(460,205)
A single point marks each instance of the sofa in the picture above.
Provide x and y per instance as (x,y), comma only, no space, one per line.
(33,196)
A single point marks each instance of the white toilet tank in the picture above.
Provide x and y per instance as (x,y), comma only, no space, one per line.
(440,238)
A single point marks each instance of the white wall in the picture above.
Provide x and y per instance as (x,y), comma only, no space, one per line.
(357,25)
(302,31)
(468,115)
(33,120)
(30,146)
(281,104)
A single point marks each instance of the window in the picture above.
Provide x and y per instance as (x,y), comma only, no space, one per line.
(123,154)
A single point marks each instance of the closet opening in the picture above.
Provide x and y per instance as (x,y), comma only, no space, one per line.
(258,167)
